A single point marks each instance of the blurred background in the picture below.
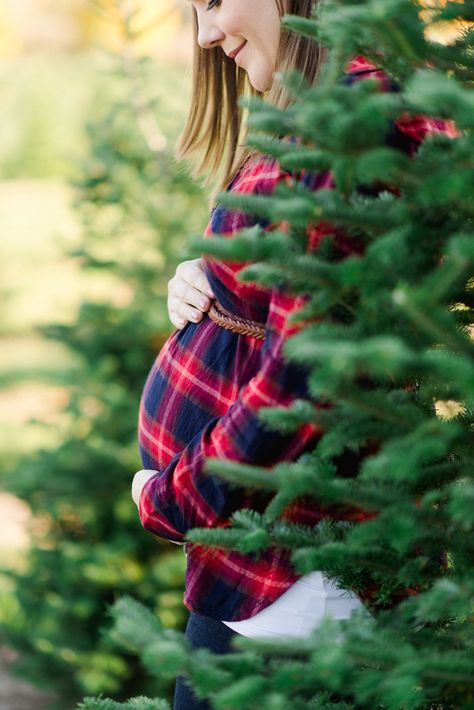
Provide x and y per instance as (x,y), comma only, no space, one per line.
(94,216)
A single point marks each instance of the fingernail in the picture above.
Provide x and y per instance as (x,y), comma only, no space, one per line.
(203,303)
(210,293)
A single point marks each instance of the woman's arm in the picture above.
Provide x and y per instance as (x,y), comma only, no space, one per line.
(189,287)
(182,496)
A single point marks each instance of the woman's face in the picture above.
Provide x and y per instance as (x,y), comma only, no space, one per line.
(250,26)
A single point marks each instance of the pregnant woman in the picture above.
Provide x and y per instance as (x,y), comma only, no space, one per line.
(224,364)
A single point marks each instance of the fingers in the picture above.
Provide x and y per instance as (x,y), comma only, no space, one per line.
(189,294)
(181,313)
(192,272)
(182,292)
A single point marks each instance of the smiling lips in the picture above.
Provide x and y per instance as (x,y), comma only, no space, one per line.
(234,53)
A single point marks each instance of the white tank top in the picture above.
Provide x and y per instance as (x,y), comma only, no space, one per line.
(300,610)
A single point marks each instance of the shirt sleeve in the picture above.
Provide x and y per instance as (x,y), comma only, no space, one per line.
(182,496)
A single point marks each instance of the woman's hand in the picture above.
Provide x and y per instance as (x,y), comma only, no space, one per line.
(189,293)
(139,480)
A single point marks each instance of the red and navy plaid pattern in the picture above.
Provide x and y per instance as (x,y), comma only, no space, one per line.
(202,399)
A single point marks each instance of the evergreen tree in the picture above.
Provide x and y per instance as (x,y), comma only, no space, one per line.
(136,207)
(389,352)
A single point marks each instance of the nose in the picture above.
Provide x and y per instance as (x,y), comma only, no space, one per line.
(209,34)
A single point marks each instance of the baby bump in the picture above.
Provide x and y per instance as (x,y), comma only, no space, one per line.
(195,378)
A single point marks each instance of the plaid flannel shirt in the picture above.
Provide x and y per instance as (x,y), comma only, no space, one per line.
(205,391)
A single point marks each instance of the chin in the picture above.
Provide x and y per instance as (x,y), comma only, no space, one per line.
(260,80)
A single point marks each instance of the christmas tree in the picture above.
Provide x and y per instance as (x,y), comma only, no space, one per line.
(386,339)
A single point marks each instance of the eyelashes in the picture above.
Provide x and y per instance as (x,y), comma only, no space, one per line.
(212,4)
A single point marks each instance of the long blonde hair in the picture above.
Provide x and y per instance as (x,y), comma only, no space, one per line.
(213,138)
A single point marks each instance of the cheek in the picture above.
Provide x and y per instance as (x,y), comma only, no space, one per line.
(274,31)
(267,29)
(235,24)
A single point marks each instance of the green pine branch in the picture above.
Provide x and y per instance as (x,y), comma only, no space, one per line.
(140,703)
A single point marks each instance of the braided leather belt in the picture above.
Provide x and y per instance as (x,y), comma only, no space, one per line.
(219,315)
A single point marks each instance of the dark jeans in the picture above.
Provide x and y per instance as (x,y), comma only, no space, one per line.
(201,632)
